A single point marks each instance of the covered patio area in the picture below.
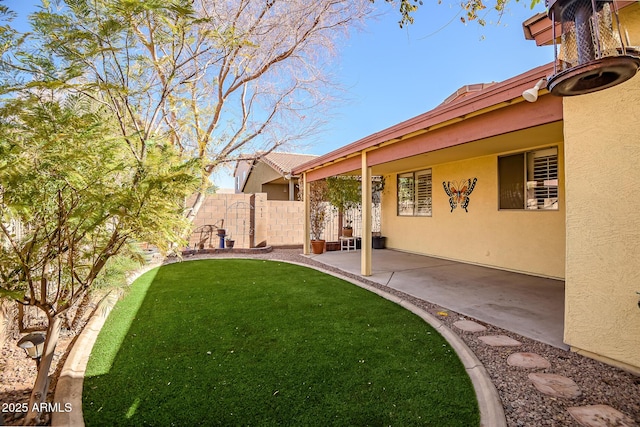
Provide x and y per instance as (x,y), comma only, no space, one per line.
(527,305)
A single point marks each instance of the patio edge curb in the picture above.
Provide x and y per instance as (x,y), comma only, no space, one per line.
(70,382)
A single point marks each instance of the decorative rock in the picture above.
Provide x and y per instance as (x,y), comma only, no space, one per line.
(499,341)
(600,416)
(555,385)
(528,360)
(469,326)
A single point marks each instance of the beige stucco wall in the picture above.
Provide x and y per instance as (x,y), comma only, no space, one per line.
(259,176)
(524,241)
(276,191)
(241,174)
(277,223)
(602,144)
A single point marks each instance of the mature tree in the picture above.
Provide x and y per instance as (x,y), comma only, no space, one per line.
(472,9)
(407,8)
(208,80)
(80,194)
(219,78)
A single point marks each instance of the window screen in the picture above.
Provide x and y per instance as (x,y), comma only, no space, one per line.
(529,180)
(511,176)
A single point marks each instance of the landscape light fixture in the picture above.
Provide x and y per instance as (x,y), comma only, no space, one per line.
(593,50)
(531,95)
(33,345)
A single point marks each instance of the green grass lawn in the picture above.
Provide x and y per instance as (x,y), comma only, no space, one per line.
(251,342)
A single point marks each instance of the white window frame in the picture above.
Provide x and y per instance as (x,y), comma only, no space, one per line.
(415,193)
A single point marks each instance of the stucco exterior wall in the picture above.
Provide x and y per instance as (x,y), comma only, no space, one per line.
(276,191)
(261,174)
(526,241)
(602,146)
(240,174)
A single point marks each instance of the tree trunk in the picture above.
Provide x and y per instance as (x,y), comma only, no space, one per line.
(79,314)
(40,388)
(195,207)
(6,318)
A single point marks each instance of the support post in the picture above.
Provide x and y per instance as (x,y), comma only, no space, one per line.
(307,216)
(365,261)
(291,189)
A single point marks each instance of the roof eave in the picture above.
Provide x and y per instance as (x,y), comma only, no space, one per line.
(494,97)
(539,27)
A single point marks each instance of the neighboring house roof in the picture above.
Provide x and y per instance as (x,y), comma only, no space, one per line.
(284,163)
(458,109)
(466,91)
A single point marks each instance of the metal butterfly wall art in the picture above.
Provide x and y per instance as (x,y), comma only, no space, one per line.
(459,191)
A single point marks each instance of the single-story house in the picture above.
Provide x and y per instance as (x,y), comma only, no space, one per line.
(544,188)
(270,173)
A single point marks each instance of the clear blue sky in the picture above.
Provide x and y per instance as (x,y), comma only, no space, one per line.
(392,74)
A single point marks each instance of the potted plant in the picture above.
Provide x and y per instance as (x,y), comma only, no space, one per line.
(318,215)
(344,193)
(229,242)
(378,241)
(347,229)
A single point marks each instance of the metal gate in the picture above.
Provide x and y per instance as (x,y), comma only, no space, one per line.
(239,224)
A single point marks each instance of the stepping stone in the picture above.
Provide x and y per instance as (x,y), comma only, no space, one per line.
(499,341)
(555,385)
(600,416)
(528,360)
(469,326)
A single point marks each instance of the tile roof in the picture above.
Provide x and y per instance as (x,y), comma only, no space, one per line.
(284,163)
(483,97)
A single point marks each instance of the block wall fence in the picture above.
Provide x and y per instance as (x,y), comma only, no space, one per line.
(250,220)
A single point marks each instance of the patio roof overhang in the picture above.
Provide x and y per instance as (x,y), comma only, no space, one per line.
(497,110)
(539,27)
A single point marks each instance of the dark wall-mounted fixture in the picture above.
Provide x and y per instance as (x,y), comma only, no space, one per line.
(592,51)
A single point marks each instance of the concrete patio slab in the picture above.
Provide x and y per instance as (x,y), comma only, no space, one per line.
(527,305)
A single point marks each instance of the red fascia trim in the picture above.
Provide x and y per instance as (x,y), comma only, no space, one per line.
(538,27)
(547,109)
(506,91)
